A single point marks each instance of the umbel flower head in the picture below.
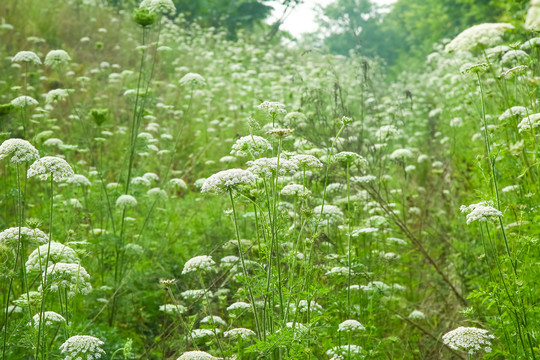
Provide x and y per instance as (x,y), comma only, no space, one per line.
(272,108)
(348,157)
(239,333)
(56,95)
(250,145)
(269,166)
(350,326)
(199,263)
(82,347)
(26,57)
(197,355)
(10,237)
(126,201)
(24,101)
(53,166)
(306,161)
(59,253)
(483,35)
(21,151)
(192,79)
(49,319)
(483,211)
(71,277)
(57,58)
(159,6)
(228,180)
(470,339)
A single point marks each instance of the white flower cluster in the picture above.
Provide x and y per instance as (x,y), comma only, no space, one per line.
(201,333)
(59,253)
(56,95)
(295,190)
(239,333)
(51,165)
(330,213)
(267,167)
(71,277)
(213,320)
(386,132)
(272,108)
(250,145)
(197,355)
(82,347)
(239,306)
(401,154)
(363,179)
(417,315)
(483,211)
(10,236)
(338,271)
(228,180)
(178,183)
(485,35)
(24,101)
(192,79)
(532,20)
(21,151)
(26,57)
(344,350)
(126,201)
(529,122)
(57,58)
(313,306)
(350,326)
(470,339)
(79,180)
(348,157)
(172,309)
(199,263)
(306,161)
(195,294)
(49,318)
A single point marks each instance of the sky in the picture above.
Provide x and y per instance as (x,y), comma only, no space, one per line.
(302,19)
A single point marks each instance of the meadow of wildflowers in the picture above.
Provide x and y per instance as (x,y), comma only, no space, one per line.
(167,193)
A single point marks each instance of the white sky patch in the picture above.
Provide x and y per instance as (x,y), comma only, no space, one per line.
(302,19)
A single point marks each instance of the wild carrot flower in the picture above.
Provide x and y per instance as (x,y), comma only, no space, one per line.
(24,101)
(19,150)
(172,309)
(82,347)
(197,355)
(272,108)
(306,161)
(159,6)
(199,263)
(59,253)
(483,211)
(70,277)
(57,58)
(79,180)
(228,180)
(470,339)
(484,35)
(53,166)
(10,236)
(417,315)
(239,306)
(49,319)
(192,79)
(239,333)
(267,167)
(213,320)
(350,326)
(250,145)
(126,201)
(56,95)
(26,57)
